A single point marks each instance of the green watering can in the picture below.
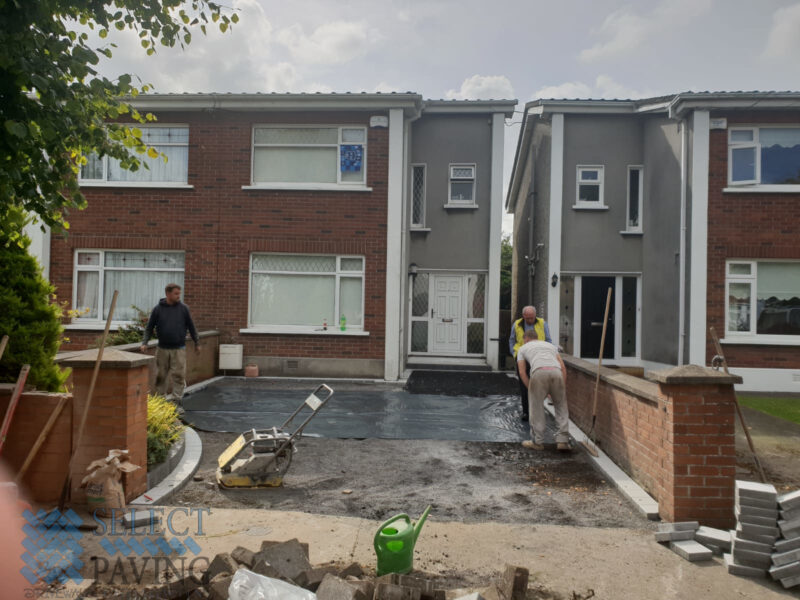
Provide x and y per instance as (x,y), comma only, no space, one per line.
(394,543)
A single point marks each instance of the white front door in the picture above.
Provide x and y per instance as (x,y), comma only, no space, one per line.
(446,319)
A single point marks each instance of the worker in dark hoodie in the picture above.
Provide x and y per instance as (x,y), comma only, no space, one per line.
(171,320)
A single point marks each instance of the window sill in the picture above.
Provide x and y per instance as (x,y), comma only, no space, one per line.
(763,340)
(419,229)
(462,206)
(762,189)
(136,184)
(304,331)
(313,187)
(634,233)
(588,207)
(95,325)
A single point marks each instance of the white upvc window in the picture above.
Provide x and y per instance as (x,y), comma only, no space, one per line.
(633,222)
(140,276)
(170,140)
(462,185)
(418,185)
(764,156)
(303,155)
(762,301)
(589,186)
(306,292)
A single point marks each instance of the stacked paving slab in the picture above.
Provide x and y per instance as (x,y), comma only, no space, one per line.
(756,509)
(786,557)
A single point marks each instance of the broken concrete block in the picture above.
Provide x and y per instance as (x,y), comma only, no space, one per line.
(262,567)
(222,563)
(287,558)
(198,594)
(176,590)
(365,587)
(784,558)
(786,545)
(311,578)
(334,588)
(751,559)
(690,550)
(790,581)
(785,571)
(269,543)
(742,570)
(708,536)
(425,587)
(789,501)
(514,583)
(492,593)
(353,569)
(218,587)
(752,490)
(390,591)
(243,556)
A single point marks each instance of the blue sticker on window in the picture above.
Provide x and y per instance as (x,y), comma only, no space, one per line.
(351,157)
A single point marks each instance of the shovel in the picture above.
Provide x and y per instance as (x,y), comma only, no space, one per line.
(591,448)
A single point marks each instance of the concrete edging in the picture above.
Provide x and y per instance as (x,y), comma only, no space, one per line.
(179,477)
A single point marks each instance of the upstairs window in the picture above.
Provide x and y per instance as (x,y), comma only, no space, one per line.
(171,141)
(764,156)
(635,194)
(590,187)
(418,196)
(309,155)
(462,184)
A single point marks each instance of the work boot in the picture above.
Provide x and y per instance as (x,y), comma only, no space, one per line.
(564,446)
(531,445)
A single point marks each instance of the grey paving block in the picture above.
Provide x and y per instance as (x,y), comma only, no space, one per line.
(784,558)
(748,558)
(761,539)
(757,530)
(785,571)
(745,544)
(790,581)
(674,536)
(243,556)
(756,491)
(742,570)
(691,550)
(786,545)
(288,558)
(681,526)
(771,512)
(708,536)
(222,563)
(334,588)
(790,515)
(755,520)
(789,529)
(789,501)
(754,503)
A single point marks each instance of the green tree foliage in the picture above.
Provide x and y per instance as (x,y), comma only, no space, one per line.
(29,315)
(506,254)
(54,106)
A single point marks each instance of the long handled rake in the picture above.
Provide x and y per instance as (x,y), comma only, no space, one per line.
(590,446)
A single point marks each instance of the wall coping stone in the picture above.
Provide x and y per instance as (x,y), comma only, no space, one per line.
(646,390)
(112,359)
(693,374)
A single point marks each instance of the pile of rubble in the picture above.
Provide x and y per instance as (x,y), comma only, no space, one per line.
(766,541)
(289,562)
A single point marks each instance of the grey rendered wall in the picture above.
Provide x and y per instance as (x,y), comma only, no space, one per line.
(591,240)
(459,238)
(661,240)
(523,216)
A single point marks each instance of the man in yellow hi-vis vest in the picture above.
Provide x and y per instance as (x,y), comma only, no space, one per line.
(515,340)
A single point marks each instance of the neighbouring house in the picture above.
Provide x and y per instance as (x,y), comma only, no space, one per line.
(328,234)
(686,207)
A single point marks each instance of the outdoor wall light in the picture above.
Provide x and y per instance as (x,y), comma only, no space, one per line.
(554,280)
(412,269)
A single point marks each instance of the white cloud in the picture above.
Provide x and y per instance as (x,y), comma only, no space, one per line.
(330,44)
(604,87)
(784,37)
(623,31)
(484,87)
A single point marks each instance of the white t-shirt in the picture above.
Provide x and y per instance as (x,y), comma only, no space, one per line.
(539,354)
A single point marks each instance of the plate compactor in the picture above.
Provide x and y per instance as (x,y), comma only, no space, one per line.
(261,457)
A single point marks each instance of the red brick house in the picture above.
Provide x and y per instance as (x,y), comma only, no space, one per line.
(281,215)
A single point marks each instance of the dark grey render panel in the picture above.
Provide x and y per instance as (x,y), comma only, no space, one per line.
(542,140)
(591,239)
(459,237)
(661,240)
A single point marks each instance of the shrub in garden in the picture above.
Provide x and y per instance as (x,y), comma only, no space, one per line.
(163,428)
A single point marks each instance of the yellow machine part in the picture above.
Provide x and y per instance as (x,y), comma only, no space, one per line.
(232,480)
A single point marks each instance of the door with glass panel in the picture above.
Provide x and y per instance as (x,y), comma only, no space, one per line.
(447,314)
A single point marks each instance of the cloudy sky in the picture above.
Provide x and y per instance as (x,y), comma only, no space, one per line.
(483,49)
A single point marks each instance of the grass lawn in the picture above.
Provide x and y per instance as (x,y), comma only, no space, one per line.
(783,408)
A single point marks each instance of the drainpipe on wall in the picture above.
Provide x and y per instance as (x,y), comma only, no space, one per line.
(531,258)
(682,248)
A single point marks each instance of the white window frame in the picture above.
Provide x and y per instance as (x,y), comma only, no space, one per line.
(422,201)
(599,182)
(79,322)
(316,328)
(755,184)
(460,179)
(104,182)
(311,185)
(751,336)
(628,227)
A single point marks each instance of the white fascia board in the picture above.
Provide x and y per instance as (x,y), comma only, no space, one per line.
(687,103)
(698,265)
(593,107)
(410,103)
(506,107)
(495,240)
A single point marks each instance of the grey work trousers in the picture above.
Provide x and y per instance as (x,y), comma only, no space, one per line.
(171,366)
(543,382)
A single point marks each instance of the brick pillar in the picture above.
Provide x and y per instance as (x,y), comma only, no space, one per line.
(117,416)
(698,451)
